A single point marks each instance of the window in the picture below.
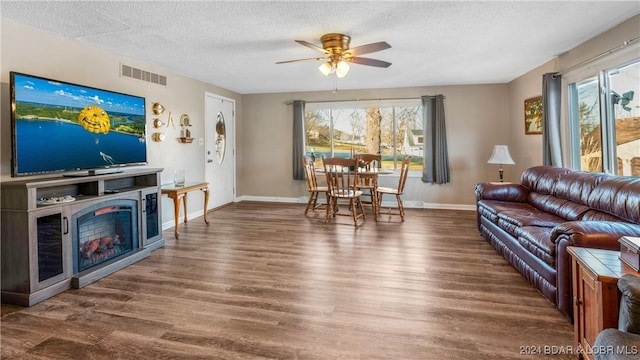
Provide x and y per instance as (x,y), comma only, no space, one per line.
(604,113)
(390,128)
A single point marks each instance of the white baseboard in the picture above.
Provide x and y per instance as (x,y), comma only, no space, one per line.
(407,204)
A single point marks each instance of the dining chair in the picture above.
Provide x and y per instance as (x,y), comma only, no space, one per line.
(312,186)
(342,179)
(368,183)
(404,170)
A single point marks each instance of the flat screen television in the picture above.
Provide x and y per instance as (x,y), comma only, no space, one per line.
(63,127)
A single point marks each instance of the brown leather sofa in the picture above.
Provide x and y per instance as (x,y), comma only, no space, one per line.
(532,223)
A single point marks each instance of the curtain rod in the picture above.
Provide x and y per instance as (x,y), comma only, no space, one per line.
(612,50)
(355,100)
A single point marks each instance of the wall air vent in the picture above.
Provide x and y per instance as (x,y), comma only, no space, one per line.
(135,73)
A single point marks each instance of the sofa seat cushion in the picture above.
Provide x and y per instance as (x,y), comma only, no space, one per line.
(595,215)
(511,220)
(563,208)
(536,240)
(491,208)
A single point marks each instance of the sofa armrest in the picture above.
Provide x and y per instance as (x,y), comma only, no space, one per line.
(629,319)
(593,234)
(501,191)
(613,344)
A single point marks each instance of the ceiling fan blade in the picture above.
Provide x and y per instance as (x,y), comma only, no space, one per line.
(369,48)
(290,61)
(369,62)
(311,46)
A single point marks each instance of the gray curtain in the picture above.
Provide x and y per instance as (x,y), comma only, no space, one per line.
(436,155)
(551,136)
(298,139)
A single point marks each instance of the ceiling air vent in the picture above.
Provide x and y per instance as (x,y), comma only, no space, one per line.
(135,73)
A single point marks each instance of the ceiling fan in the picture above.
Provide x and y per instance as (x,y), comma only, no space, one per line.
(338,55)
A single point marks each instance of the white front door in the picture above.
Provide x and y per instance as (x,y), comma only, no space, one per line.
(220,156)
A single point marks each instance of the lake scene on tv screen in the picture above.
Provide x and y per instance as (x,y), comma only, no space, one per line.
(62,126)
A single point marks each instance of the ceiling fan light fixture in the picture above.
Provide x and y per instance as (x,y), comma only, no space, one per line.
(342,69)
(337,55)
(326,68)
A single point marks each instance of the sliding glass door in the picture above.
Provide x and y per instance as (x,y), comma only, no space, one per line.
(604,113)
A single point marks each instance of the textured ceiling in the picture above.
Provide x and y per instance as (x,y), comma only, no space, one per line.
(235,44)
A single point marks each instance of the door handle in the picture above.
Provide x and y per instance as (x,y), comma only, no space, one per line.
(209,161)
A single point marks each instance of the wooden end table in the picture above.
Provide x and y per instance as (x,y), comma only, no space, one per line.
(180,192)
(596,297)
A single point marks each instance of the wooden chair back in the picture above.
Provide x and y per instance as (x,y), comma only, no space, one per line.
(370,160)
(310,173)
(397,192)
(341,175)
(404,171)
(342,178)
(312,185)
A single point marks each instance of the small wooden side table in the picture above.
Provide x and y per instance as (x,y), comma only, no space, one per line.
(596,297)
(180,192)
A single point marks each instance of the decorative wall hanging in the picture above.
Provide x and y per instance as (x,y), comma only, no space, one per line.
(157,108)
(533,115)
(220,138)
(157,137)
(185,133)
(157,123)
(170,120)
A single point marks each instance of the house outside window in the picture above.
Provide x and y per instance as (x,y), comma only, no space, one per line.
(604,113)
(392,128)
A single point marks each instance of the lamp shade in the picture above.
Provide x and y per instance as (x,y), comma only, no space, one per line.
(342,69)
(501,155)
(326,68)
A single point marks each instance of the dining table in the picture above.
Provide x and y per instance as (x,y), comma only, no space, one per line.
(372,173)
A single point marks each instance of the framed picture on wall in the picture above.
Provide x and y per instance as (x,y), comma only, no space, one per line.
(533,115)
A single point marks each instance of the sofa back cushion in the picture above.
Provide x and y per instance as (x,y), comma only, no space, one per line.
(577,195)
(577,186)
(542,179)
(618,196)
(558,191)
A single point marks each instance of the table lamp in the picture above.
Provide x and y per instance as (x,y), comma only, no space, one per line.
(501,156)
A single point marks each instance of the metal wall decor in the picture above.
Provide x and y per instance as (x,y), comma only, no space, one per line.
(157,108)
(157,136)
(157,123)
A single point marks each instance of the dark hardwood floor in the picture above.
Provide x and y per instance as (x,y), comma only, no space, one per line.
(265,281)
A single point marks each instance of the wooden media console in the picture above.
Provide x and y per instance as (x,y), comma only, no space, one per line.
(40,236)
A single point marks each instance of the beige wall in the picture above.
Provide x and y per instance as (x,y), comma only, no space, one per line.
(31,51)
(526,150)
(476,116)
